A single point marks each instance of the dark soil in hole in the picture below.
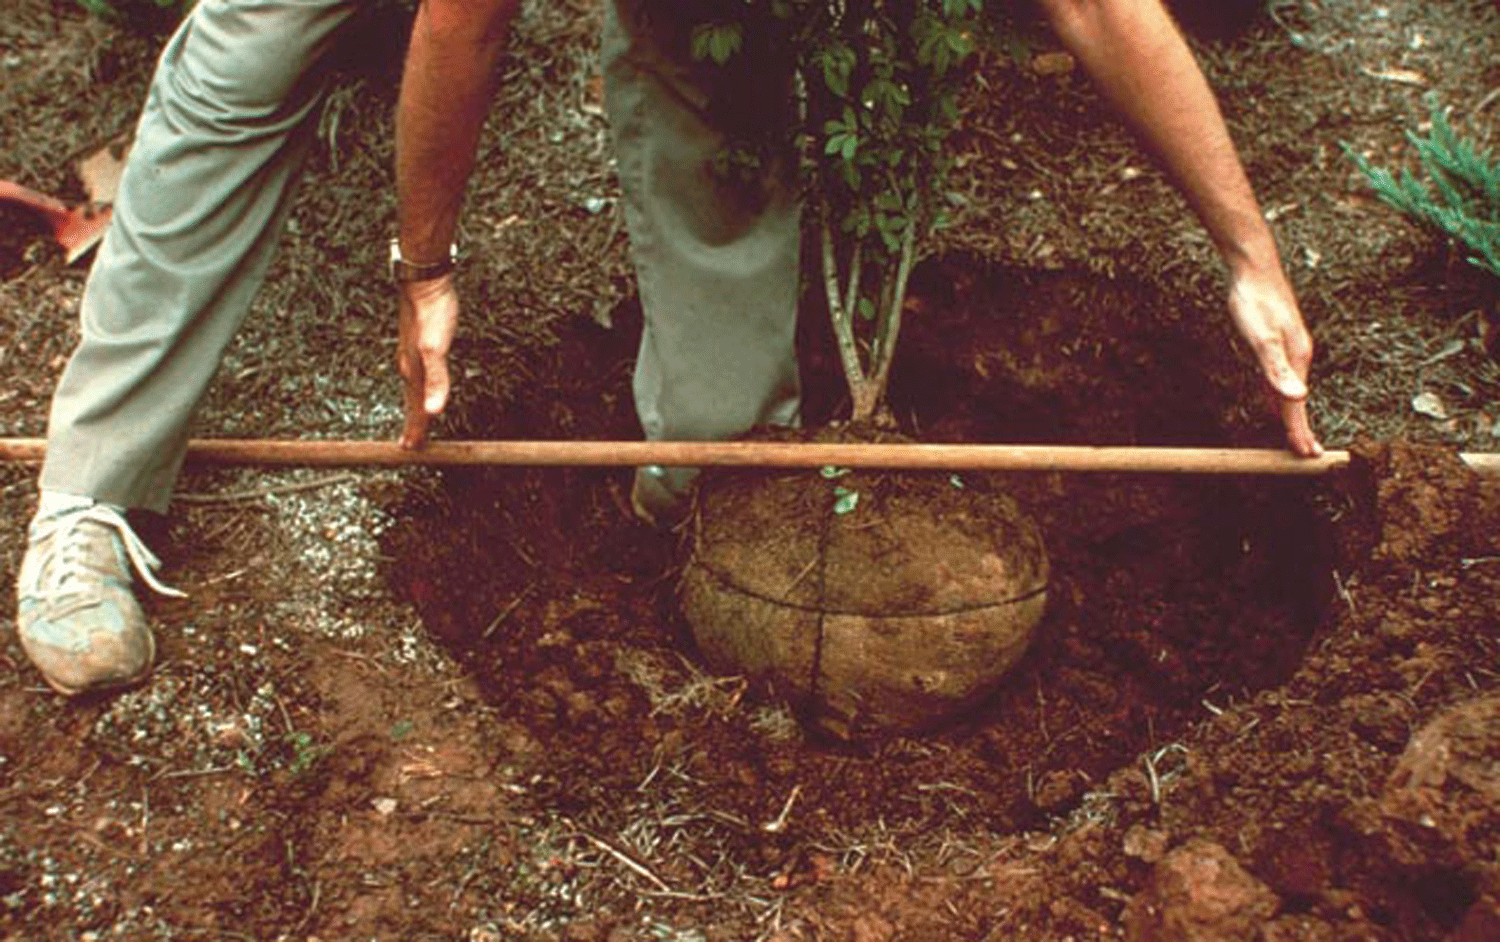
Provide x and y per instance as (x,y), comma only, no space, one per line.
(993,354)
(1166,592)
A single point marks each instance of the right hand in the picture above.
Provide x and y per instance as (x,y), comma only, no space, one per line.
(428,312)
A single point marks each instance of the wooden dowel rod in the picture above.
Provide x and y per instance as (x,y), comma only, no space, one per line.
(954,457)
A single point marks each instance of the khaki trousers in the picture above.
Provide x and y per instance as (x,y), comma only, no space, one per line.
(715,251)
(202,203)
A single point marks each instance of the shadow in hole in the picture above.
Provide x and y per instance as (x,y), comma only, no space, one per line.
(1446,895)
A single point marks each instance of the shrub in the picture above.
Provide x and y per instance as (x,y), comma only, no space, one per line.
(877,84)
(1460,195)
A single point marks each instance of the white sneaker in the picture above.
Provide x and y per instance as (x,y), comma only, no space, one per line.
(78,618)
(653,503)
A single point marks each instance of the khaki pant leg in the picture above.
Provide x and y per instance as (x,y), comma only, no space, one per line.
(716,255)
(200,209)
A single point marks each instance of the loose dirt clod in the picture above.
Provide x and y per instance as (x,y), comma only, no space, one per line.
(1199,893)
(1443,798)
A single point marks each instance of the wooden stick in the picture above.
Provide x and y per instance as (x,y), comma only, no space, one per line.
(957,457)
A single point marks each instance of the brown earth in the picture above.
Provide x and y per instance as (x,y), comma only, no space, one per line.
(411,705)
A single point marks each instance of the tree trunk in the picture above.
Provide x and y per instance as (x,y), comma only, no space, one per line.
(865,397)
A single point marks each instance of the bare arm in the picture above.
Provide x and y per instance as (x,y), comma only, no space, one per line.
(1140,60)
(445,97)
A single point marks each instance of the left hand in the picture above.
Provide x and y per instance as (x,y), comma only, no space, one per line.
(428,319)
(1265,311)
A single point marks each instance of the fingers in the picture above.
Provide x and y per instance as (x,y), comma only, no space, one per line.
(1287,373)
(1265,311)
(425,395)
(414,429)
(1286,380)
(435,381)
(425,386)
(1289,385)
(413,386)
(428,317)
(1299,433)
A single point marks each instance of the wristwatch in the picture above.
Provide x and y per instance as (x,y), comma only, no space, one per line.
(402,270)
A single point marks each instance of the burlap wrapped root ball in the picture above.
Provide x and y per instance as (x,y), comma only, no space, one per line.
(872,602)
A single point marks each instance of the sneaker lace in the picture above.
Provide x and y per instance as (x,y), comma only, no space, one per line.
(71,549)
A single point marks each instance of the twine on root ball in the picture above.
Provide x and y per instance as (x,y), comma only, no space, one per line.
(873,603)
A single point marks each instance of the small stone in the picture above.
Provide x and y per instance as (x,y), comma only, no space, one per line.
(1429,404)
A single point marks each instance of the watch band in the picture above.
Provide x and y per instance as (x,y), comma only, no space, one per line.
(402,270)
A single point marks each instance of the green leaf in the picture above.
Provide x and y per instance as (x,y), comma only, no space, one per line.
(831,472)
(957,8)
(845,500)
(837,63)
(852,178)
(700,42)
(716,42)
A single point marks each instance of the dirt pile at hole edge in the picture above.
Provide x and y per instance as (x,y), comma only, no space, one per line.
(1350,792)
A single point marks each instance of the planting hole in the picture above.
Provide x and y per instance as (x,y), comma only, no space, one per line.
(1171,596)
